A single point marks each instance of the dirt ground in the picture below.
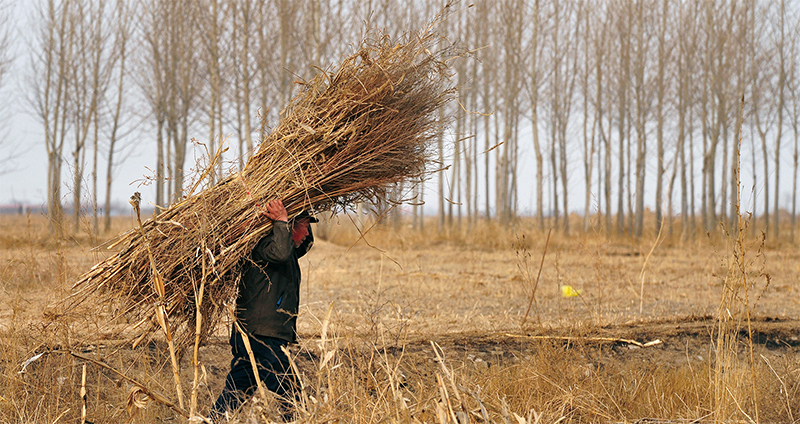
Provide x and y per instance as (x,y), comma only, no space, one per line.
(401,289)
(669,342)
(441,289)
(635,308)
(471,301)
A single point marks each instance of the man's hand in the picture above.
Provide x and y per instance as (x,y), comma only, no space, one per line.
(275,211)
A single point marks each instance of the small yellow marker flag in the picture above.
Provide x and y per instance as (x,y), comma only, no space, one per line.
(568,291)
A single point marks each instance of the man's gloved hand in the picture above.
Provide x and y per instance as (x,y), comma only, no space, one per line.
(275,211)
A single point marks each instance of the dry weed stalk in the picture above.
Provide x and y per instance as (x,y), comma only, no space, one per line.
(83,395)
(161,311)
(644,266)
(735,303)
(137,387)
(251,356)
(526,276)
(458,416)
(784,388)
(198,331)
(348,136)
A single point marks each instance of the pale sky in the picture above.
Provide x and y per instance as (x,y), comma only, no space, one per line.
(23,166)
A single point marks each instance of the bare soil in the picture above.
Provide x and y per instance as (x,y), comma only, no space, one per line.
(400,291)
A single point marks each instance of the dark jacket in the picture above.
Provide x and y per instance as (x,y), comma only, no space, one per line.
(269,292)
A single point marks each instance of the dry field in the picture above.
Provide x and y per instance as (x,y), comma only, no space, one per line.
(424,326)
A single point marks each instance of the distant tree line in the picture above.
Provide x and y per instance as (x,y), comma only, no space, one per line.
(621,95)
(614,96)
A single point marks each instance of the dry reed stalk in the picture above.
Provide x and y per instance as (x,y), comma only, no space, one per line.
(303,406)
(161,312)
(348,136)
(729,314)
(251,356)
(83,395)
(139,387)
(536,284)
(784,389)
(655,342)
(644,266)
(741,262)
(463,414)
(198,333)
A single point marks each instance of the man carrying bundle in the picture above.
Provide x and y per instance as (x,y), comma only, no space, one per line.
(267,307)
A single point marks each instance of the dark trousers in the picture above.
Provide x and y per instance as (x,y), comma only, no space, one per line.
(274,371)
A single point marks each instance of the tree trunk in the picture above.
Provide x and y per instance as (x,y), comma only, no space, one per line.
(641,120)
(781,48)
(794,183)
(123,32)
(622,96)
(534,94)
(662,61)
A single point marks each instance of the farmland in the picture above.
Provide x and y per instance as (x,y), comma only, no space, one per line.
(410,325)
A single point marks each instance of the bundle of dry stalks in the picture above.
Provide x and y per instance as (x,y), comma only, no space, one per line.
(348,136)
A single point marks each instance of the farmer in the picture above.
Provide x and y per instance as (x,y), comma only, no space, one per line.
(269,296)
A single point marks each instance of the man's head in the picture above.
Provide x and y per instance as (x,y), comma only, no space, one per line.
(300,227)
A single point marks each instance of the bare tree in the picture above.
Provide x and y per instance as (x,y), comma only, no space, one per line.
(152,79)
(662,86)
(264,59)
(781,46)
(534,82)
(440,151)
(122,33)
(762,108)
(475,119)
(589,140)
(183,75)
(71,75)
(90,77)
(564,39)
(212,21)
(643,105)
(52,53)
(242,40)
(6,27)
(601,52)
(454,192)
(793,111)
(6,58)
(708,114)
(287,11)
(623,19)
(685,57)
(487,57)
(171,80)
(505,165)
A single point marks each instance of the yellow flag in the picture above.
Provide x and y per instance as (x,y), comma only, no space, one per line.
(568,291)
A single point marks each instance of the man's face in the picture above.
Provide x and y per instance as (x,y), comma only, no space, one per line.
(300,231)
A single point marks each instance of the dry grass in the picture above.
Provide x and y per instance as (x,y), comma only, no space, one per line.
(385,306)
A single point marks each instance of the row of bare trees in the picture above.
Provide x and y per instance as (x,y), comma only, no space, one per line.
(77,84)
(626,103)
(611,105)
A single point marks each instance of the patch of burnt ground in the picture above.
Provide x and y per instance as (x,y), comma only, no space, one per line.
(666,342)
